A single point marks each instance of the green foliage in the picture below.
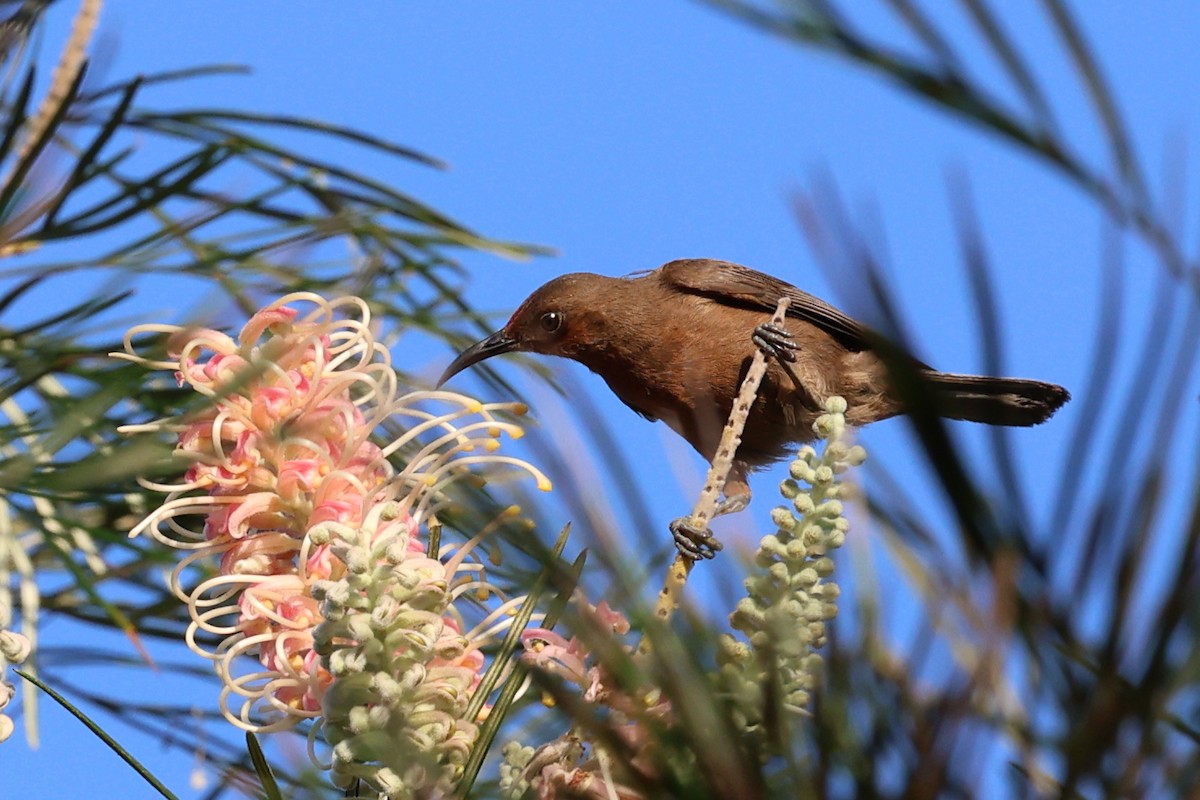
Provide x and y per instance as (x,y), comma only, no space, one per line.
(102,195)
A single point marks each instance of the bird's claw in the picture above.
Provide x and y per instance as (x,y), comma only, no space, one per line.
(693,541)
(775,342)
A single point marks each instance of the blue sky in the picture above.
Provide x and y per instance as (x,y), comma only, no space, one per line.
(627,134)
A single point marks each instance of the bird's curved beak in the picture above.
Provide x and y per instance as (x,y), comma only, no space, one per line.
(499,342)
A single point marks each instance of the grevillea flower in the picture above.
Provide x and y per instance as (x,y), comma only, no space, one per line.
(404,670)
(574,765)
(309,526)
(791,596)
(14,649)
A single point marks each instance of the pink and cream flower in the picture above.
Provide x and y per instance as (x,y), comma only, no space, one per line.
(294,517)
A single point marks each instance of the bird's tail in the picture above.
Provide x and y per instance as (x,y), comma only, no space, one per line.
(997,401)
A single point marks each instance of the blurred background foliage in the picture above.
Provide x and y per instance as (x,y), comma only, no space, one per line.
(1054,651)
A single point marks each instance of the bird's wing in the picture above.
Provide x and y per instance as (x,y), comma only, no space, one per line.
(734,284)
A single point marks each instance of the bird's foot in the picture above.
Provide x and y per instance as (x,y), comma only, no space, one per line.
(775,342)
(693,541)
(732,505)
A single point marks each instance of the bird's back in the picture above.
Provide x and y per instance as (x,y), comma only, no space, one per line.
(686,366)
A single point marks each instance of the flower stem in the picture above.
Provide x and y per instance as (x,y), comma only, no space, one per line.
(706,504)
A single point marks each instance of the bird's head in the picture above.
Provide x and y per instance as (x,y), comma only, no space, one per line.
(558,319)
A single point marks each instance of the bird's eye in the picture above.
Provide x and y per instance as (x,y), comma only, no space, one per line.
(551,321)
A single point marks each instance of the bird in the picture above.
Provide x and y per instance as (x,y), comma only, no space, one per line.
(674,343)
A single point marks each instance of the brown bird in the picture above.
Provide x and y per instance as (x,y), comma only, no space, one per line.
(674,344)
